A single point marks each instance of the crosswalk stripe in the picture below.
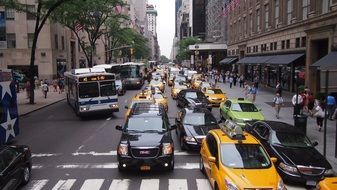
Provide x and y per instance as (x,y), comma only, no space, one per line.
(120,184)
(149,184)
(37,184)
(203,184)
(177,184)
(64,184)
(92,184)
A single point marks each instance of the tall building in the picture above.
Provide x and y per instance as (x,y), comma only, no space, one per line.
(151,15)
(183,20)
(138,16)
(198,18)
(278,40)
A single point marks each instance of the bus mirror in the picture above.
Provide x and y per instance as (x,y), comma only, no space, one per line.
(126,107)
(119,128)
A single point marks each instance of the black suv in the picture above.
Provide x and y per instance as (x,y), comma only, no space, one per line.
(192,98)
(146,142)
(15,166)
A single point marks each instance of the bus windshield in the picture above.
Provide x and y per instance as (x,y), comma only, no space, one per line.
(130,72)
(90,90)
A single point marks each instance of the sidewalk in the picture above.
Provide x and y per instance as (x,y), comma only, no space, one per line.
(40,102)
(264,100)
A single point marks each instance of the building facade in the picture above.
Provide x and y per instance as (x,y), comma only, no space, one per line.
(278,40)
(151,16)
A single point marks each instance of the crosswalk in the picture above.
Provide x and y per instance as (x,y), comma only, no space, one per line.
(118,184)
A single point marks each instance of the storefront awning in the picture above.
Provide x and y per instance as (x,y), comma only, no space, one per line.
(284,59)
(255,60)
(327,62)
(228,60)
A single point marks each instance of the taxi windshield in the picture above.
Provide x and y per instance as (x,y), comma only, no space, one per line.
(244,107)
(290,139)
(213,91)
(244,156)
(155,82)
(141,124)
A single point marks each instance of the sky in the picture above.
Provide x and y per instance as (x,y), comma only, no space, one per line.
(165,24)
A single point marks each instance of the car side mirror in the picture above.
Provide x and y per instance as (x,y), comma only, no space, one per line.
(220,121)
(119,127)
(315,143)
(273,159)
(173,127)
(212,159)
(126,107)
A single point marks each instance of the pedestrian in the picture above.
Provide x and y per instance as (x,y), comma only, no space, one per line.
(246,90)
(37,83)
(253,92)
(279,88)
(297,102)
(217,77)
(28,87)
(235,77)
(311,102)
(319,114)
(331,105)
(256,82)
(45,89)
(60,85)
(55,81)
(241,81)
(278,103)
(230,81)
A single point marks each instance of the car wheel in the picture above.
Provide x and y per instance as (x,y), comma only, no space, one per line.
(26,174)
(182,144)
(201,165)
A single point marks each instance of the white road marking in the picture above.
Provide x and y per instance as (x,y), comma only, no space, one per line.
(44,155)
(79,148)
(92,153)
(177,184)
(149,184)
(120,184)
(186,166)
(112,165)
(108,119)
(64,184)
(203,184)
(295,188)
(92,184)
(36,166)
(37,184)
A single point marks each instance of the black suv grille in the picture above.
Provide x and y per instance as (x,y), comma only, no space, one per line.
(144,152)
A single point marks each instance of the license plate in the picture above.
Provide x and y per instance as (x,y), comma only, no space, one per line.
(311,183)
(145,168)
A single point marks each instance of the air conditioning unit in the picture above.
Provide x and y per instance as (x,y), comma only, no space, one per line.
(43,54)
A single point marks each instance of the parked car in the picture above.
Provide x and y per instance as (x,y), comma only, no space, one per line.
(146,142)
(193,125)
(15,166)
(297,159)
(192,98)
(215,96)
(176,88)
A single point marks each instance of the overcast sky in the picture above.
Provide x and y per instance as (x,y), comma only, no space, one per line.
(165,24)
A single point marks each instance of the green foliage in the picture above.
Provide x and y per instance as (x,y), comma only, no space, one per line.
(183,44)
(164,59)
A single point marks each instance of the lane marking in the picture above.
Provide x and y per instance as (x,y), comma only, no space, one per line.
(177,184)
(79,148)
(93,153)
(44,155)
(64,184)
(149,184)
(92,184)
(203,184)
(37,184)
(186,166)
(120,184)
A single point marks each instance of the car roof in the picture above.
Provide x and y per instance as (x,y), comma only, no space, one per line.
(196,110)
(279,126)
(147,109)
(240,100)
(191,90)
(224,138)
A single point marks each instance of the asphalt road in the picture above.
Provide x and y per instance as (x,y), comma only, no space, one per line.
(73,153)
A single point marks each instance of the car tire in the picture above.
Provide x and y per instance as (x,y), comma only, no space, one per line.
(182,144)
(201,165)
(26,175)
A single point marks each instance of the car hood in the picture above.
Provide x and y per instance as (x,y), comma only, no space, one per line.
(248,115)
(145,139)
(197,101)
(302,156)
(192,130)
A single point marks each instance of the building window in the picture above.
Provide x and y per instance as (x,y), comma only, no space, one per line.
(277,12)
(30,40)
(275,45)
(258,16)
(56,39)
(283,44)
(266,16)
(11,40)
(304,41)
(289,11)
(305,9)
(10,14)
(271,47)
(62,43)
(31,11)
(251,24)
(325,6)
(297,44)
(288,44)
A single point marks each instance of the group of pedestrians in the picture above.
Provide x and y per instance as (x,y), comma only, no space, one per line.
(58,85)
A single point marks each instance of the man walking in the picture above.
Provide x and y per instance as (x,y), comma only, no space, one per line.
(297,101)
(278,103)
(331,105)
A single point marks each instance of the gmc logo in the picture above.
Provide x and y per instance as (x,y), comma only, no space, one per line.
(144,152)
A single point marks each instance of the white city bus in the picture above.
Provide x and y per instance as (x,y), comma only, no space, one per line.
(132,74)
(91,90)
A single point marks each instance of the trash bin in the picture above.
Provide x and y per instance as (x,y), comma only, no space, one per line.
(300,121)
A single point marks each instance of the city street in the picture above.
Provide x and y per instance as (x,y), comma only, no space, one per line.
(73,153)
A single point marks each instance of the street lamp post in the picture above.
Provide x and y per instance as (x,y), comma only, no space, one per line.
(196,57)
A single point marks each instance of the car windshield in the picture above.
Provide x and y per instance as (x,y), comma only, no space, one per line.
(244,156)
(158,96)
(213,91)
(144,124)
(244,107)
(205,84)
(199,119)
(290,139)
(194,95)
(177,79)
(180,85)
(155,82)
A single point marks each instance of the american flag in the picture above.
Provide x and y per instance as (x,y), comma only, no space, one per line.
(78,27)
(230,7)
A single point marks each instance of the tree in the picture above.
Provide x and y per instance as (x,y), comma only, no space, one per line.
(183,44)
(89,16)
(164,59)
(42,12)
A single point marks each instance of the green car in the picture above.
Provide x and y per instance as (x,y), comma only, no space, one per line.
(240,111)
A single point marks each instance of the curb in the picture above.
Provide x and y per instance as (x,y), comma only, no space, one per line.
(39,108)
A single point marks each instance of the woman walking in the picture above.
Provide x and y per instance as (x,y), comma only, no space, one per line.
(278,103)
(319,114)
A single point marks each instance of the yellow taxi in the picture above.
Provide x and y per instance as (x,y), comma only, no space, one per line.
(215,96)
(329,183)
(177,87)
(161,99)
(159,83)
(143,96)
(170,80)
(235,160)
(152,89)
(195,84)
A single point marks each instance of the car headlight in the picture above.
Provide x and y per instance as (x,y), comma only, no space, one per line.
(167,148)
(123,149)
(189,139)
(329,172)
(230,185)
(86,108)
(287,168)
(281,186)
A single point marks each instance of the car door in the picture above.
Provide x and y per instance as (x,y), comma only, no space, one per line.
(206,152)
(11,174)
(226,108)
